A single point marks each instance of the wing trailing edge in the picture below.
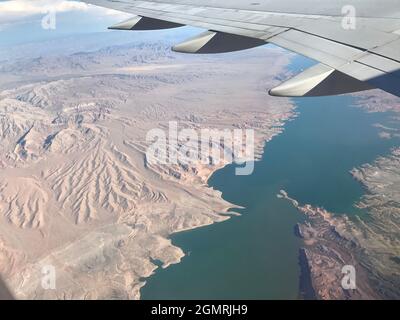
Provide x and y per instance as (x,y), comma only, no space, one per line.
(368,54)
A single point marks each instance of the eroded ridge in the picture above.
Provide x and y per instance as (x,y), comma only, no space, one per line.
(78,195)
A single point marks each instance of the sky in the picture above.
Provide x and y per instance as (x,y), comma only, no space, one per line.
(33,28)
(24,21)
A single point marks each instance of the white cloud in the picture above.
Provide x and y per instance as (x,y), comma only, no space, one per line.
(14,11)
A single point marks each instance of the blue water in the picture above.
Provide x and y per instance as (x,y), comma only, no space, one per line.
(255,256)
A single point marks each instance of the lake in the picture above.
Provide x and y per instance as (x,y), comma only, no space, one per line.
(255,255)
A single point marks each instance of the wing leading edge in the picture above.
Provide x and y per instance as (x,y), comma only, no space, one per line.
(350,59)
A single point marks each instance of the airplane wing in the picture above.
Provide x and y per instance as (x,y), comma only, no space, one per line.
(358,46)
(5,293)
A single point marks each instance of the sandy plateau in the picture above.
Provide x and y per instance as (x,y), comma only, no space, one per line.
(76,190)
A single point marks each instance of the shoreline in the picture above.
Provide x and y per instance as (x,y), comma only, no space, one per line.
(226,213)
(327,248)
(107,234)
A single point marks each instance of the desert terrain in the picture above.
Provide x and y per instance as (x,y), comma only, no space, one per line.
(77,192)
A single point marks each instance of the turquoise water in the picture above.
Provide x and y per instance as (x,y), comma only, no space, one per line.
(255,256)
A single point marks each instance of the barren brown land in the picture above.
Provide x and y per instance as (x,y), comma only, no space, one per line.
(371,243)
(76,189)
